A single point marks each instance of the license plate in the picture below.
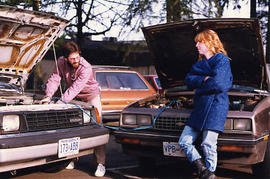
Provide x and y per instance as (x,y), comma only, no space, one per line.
(172,149)
(67,147)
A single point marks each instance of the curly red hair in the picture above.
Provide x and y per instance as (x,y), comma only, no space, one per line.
(211,39)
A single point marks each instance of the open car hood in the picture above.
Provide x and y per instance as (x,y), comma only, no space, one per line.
(173,49)
(25,37)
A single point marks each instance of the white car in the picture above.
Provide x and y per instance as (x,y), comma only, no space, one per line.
(32,134)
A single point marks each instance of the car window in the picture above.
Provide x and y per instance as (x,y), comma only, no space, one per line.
(150,81)
(157,82)
(120,80)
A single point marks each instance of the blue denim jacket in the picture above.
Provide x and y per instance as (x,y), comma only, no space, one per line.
(211,102)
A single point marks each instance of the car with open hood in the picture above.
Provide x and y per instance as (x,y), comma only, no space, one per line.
(33,134)
(161,118)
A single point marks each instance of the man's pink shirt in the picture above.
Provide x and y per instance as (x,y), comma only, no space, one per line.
(80,82)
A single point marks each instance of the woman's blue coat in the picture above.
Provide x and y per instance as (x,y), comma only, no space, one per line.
(211,102)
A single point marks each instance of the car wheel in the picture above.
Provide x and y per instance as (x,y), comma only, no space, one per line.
(55,167)
(262,169)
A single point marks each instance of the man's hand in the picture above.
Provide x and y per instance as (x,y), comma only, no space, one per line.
(45,100)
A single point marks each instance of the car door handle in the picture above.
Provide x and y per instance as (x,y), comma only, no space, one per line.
(106,103)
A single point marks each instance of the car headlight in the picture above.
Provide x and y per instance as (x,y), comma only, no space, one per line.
(238,124)
(86,116)
(242,124)
(10,123)
(144,120)
(133,119)
(129,119)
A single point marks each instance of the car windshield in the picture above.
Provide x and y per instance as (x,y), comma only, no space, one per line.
(120,80)
(246,89)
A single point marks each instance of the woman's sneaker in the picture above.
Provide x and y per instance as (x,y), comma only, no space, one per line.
(100,172)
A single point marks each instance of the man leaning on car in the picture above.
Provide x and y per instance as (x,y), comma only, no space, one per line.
(78,76)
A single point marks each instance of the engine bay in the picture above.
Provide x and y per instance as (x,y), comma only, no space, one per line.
(236,102)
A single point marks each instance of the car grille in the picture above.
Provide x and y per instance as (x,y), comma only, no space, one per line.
(170,123)
(48,120)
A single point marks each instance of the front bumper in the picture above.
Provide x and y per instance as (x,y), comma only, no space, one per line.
(230,150)
(36,148)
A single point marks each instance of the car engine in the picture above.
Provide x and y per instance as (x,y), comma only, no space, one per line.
(237,103)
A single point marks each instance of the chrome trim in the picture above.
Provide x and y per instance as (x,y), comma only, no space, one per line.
(156,135)
(111,111)
(153,135)
(244,140)
(40,132)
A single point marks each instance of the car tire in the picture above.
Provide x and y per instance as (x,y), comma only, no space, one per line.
(262,169)
(55,167)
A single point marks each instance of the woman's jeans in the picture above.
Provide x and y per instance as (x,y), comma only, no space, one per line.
(209,146)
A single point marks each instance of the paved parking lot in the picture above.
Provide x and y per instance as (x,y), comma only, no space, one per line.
(123,166)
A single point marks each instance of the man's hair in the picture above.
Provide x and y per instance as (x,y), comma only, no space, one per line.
(69,48)
(211,40)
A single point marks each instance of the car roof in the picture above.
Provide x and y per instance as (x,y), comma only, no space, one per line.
(114,69)
(150,75)
(110,67)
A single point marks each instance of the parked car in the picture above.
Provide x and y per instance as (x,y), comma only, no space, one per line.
(246,136)
(154,81)
(33,134)
(120,86)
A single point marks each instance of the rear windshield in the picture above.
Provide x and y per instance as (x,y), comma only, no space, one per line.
(120,80)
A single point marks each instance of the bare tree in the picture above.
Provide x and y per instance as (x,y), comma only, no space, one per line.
(175,10)
(96,17)
(87,17)
(268,37)
(262,13)
(253,8)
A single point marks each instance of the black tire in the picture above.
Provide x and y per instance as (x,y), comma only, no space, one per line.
(262,169)
(55,167)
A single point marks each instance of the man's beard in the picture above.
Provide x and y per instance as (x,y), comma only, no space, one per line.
(74,65)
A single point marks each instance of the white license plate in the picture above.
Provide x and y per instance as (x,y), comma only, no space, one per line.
(68,146)
(172,149)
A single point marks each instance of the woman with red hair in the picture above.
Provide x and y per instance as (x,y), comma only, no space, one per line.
(211,78)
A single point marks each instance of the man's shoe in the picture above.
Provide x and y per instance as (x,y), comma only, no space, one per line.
(100,172)
(70,165)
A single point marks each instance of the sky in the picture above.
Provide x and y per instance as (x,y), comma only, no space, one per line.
(244,12)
